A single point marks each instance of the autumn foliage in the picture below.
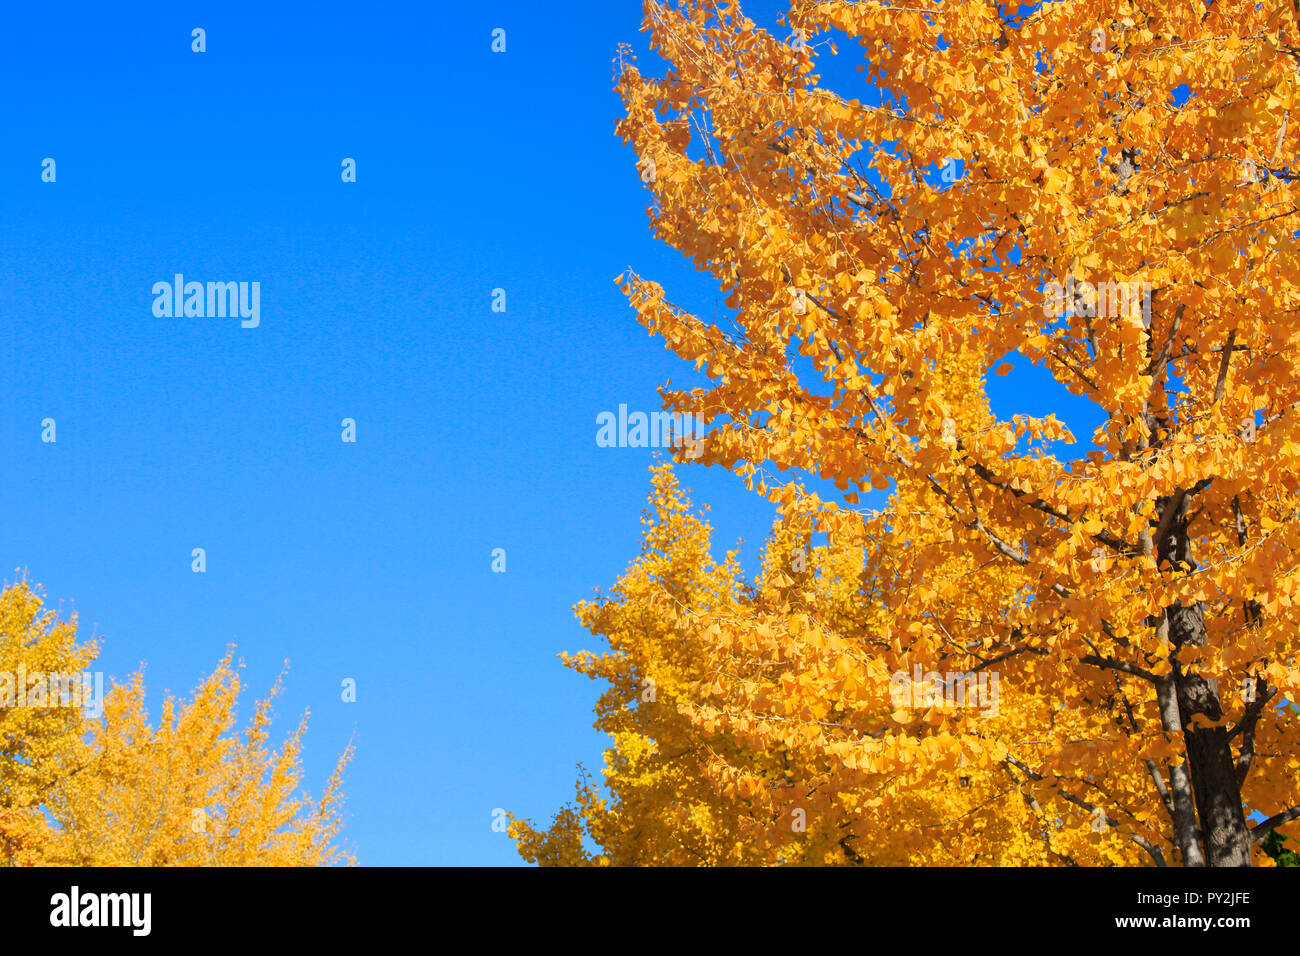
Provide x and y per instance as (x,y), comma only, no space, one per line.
(1096,194)
(118,790)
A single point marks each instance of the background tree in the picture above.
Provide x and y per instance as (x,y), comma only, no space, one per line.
(36,742)
(1013,182)
(1274,846)
(663,805)
(118,791)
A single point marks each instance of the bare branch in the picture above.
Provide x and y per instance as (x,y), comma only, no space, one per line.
(1115,665)
(1265,827)
(1223,367)
(1152,849)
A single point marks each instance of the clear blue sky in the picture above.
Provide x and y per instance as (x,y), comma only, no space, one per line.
(476,430)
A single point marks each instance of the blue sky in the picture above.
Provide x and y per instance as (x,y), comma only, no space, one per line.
(475,429)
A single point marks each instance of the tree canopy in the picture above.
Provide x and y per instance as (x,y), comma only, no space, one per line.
(113,789)
(1101,195)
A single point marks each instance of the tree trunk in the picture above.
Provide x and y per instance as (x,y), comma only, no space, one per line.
(1223,832)
(1209,754)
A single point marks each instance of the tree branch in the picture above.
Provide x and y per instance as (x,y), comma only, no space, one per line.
(1265,827)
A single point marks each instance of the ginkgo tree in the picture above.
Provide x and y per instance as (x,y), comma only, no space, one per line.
(734,708)
(1106,190)
(80,788)
(36,742)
